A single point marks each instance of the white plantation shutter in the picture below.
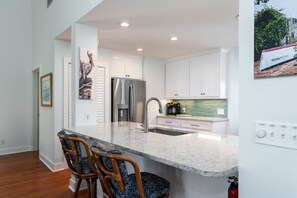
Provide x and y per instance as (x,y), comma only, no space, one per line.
(67,92)
(70,94)
(100,93)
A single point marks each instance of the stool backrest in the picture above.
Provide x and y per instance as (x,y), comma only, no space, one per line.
(71,145)
(115,175)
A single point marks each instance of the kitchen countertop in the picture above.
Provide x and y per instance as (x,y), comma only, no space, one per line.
(204,153)
(197,118)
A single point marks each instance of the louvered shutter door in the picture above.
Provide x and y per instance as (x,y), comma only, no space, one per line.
(100,94)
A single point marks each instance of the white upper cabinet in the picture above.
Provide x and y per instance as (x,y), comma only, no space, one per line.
(205,76)
(117,67)
(126,66)
(211,75)
(177,79)
(197,77)
(133,69)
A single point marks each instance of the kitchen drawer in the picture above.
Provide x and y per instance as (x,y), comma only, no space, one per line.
(168,122)
(196,125)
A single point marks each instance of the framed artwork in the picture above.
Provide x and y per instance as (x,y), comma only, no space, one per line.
(46,85)
(86,74)
(275,38)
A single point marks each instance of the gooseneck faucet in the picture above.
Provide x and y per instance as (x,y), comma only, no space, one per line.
(145,124)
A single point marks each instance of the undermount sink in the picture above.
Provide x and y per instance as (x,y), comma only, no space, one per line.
(167,132)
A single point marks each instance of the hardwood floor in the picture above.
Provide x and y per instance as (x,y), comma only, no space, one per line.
(24,175)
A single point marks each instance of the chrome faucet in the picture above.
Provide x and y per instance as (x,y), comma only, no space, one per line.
(145,124)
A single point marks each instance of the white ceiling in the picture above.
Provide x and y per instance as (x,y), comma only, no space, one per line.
(200,25)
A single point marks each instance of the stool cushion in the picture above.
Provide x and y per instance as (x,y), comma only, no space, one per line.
(84,165)
(83,161)
(153,185)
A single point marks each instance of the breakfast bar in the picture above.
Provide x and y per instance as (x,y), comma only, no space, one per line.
(204,153)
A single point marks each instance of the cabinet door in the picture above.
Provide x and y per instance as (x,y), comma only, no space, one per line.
(211,75)
(133,69)
(177,79)
(196,73)
(117,67)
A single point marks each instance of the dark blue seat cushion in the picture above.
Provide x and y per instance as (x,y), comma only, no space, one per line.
(83,161)
(153,185)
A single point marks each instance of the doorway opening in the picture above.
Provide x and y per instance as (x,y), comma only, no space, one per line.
(35,110)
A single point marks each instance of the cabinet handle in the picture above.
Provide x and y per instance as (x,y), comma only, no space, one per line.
(175,94)
(168,122)
(196,125)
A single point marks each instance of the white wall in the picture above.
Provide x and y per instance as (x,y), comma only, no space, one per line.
(154,75)
(104,55)
(233,91)
(83,36)
(264,171)
(15,83)
(61,49)
(48,23)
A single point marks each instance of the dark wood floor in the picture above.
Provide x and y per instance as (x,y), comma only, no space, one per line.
(23,175)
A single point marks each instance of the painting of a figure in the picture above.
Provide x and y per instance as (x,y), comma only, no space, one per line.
(275,38)
(87,67)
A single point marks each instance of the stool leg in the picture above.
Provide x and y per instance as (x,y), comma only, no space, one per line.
(77,188)
(89,188)
(93,187)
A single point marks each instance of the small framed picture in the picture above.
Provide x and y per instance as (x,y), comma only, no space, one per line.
(46,85)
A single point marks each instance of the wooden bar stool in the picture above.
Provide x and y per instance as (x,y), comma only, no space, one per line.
(119,184)
(80,167)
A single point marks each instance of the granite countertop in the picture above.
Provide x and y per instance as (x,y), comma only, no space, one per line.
(204,153)
(197,118)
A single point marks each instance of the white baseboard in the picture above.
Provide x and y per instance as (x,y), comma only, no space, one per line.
(46,162)
(83,186)
(12,150)
(60,166)
(73,182)
(54,167)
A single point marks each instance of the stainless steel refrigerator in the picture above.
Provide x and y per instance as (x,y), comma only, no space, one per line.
(127,100)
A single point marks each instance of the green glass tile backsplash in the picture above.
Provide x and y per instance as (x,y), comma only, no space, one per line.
(207,108)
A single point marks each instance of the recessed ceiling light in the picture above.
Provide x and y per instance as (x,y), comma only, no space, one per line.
(139,49)
(124,24)
(173,38)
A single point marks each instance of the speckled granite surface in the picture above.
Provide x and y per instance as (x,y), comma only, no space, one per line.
(204,153)
(197,118)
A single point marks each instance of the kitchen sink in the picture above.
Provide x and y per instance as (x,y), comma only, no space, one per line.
(167,132)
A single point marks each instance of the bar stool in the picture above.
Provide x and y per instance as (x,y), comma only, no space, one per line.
(80,167)
(118,183)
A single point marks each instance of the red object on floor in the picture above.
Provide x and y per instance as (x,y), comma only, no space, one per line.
(233,188)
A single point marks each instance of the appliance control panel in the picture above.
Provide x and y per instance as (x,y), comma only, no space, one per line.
(276,134)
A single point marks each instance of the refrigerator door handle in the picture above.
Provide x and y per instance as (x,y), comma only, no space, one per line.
(131,101)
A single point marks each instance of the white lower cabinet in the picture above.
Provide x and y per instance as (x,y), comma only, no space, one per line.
(212,126)
(200,125)
(168,122)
